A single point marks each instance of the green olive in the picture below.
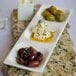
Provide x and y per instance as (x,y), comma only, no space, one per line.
(50,18)
(59,12)
(45,13)
(53,10)
(60,15)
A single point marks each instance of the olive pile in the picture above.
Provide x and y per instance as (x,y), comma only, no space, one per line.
(29,57)
(53,14)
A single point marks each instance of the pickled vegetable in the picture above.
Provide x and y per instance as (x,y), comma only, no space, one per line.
(53,14)
(59,11)
(60,16)
(45,13)
(50,18)
(53,10)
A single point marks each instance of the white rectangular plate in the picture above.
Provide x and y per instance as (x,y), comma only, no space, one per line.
(45,48)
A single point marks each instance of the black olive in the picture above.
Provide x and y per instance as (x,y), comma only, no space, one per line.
(26,62)
(24,55)
(33,63)
(39,56)
(33,57)
(19,60)
(30,50)
(29,57)
(20,51)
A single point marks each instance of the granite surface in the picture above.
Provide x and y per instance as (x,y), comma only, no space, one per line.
(62,61)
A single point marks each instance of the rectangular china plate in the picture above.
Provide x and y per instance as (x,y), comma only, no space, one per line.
(45,48)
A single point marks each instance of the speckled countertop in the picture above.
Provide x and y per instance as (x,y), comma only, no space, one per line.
(62,61)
